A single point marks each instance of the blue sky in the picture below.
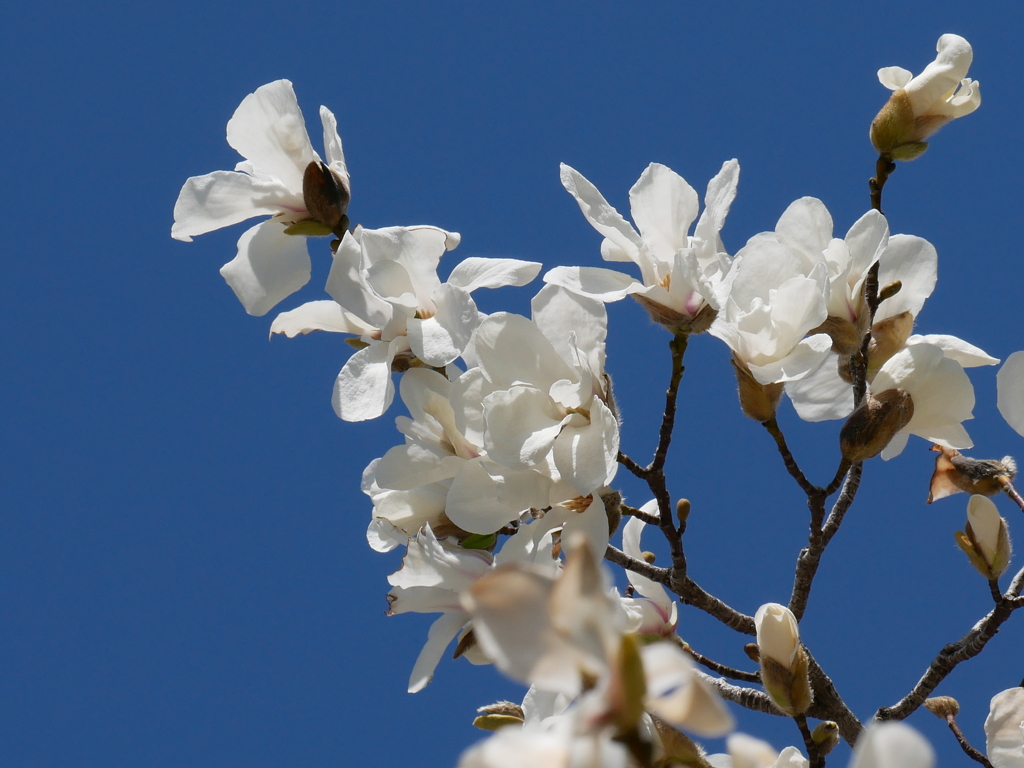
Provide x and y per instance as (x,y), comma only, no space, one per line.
(184,578)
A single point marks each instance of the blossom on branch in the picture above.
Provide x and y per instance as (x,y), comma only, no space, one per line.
(678,271)
(923,104)
(1010,387)
(282,176)
(1004,729)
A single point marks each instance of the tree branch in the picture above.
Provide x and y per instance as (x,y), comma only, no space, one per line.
(969,646)
(632,466)
(883,167)
(829,705)
(748,698)
(639,514)
(617,556)
(714,666)
(690,593)
(813,751)
(772,425)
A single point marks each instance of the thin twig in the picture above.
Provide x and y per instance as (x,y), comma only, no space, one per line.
(714,666)
(967,647)
(690,593)
(839,479)
(813,752)
(883,168)
(651,572)
(965,745)
(810,556)
(632,466)
(639,514)
(772,425)
(747,698)
(1012,493)
(993,588)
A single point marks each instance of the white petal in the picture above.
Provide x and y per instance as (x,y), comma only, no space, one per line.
(677,694)
(561,314)
(223,198)
(520,426)
(942,75)
(600,214)
(717,201)
(663,206)
(592,523)
(895,446)
(806,227)
(332,146)
(805,357)
(383,536)
(894,78)
(441,633)
(631,533)
(347,285)
(269,267)
(1010,386)
(1004,729)
(312,316)
(586,456)
(914,262)
(605,285)
(477,272)
(440,339)
(968,355)
(822,394)
(363,389)
(416,249)
(867,240)
(268,129)
(892,745)
(509,349)
(483,498)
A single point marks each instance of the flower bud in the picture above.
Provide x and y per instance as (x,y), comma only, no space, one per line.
(826,736)
(679,323)
(783,660)
(875,422)
(985,540)
(676,747)
(326,197)
(758,401)
(956,473)
(683,510)
(943,707)
(846,337)
(888,337)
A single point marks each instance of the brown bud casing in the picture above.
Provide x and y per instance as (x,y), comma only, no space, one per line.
(956,473)
(897,133)
(789,688)
(679,323)
(758,401)
(826,736)
(846,337)
(326,197)
(943,707)
(887,338)
(875,422)
(683,511)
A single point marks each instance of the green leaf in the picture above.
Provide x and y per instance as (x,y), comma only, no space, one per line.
(479,541)
(309,228)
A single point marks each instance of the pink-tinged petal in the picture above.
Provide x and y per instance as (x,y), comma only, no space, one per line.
(441,634)
(348,286)
(586,455)
(521,426)
(894,78)
(677,694)
(892,745)
(805,357)
(663,206)
(477,272)
(601,215)
(333,153)
(968,355)
(822,394)
(268,130)
(605,285)
(717,201)
(562,315)
(440,339)
(363,389)
(269,267)
(509,349)
(223,198)
(312,316)
(806,227)
(1010,386)
(914,262)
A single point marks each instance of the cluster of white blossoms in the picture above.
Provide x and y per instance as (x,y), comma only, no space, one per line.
(501,491)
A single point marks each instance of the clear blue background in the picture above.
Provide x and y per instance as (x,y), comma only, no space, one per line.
(184,579)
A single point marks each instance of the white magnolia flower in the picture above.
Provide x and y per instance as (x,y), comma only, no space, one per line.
(923,104)
(1010,386)
(1004,729)
(545,398)
(267,129)
(433,575)
(386,281)
(768,304)
(657,612)
(783,660)
(561,743)
(678,271)
(941,393)
(892,745)
(987,540)
(747,752)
